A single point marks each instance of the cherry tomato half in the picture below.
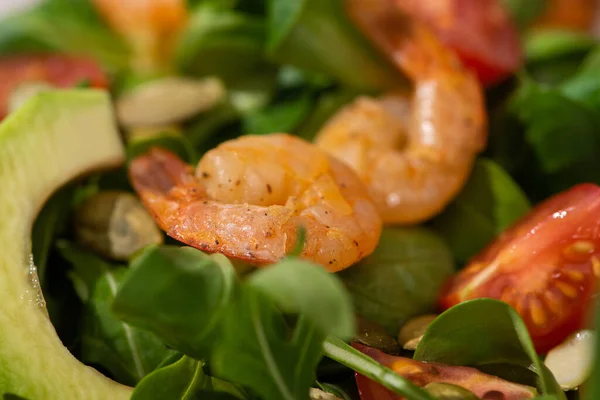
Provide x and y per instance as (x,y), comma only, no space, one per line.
(480,31)
(59,70)
(545,266)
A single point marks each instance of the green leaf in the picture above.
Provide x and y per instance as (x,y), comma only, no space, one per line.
(548,44)
(221,42)
(591,390)
(346,355)
(180,294)
(80,32)
(489,203)
(184,380)
(401,278)
(177,143)
(525,11)
(50,221)
(317,36)
(300,287)
(480,332)
(128,353)
(327,105)
(255,350)
(554,149)
(283,116)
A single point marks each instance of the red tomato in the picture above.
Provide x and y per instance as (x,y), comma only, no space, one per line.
(545,266)
(59,70)
(480,31)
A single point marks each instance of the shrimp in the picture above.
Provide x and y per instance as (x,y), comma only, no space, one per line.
(248,197)
(150,26)
(414,151)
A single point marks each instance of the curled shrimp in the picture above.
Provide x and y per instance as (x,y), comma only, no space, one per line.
(414,151)
(248,197)
(150,26)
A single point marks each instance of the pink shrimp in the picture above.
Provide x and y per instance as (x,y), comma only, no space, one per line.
(414,152)
(248,197)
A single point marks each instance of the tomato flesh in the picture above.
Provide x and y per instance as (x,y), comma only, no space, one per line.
(545,266)
(59,70)
(481,32)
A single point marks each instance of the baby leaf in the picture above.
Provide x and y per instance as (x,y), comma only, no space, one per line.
(174,142)
(255,351)
(128,353)
(50,220)
(180,294)
(318,36)
(304,288)
(480,332)
(284,116)
(489,203)
(525,11)
(401,278)
(554,149)
(182,380)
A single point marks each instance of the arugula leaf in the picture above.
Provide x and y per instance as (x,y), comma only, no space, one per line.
(255,336)
(175,142)
(215,41)
(341,352)
(180,294)
(489,203)
(401,278)
(128,353)
(480,332)
(317,36)
(284,116)
(549,44)
(525,11)
(184,380)
(80,31)
(300,287)
(327,105)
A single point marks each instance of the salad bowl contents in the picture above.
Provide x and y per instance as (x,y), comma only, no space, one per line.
(299,199)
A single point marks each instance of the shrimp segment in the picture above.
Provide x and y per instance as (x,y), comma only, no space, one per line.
(248,197)
(413,152)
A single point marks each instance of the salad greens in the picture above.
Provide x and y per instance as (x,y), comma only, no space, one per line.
(175,323)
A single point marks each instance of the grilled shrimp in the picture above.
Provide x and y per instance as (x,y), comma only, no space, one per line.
(150,26)
(414,151)
(248,197)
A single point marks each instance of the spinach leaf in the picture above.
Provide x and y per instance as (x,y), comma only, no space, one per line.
(128,353)
(317,36)
(489,203)
(180,294)
(480,332)
(401,278)
(207,125)
(255,336)
(80,31)
(300,287)
(184,380)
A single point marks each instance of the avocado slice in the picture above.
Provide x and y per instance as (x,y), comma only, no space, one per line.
(53,138)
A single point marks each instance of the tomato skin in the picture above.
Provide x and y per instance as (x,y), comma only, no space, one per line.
(481,32)
(59,70)
(546,266)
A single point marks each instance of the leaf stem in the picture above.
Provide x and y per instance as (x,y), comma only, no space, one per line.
(341,352)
